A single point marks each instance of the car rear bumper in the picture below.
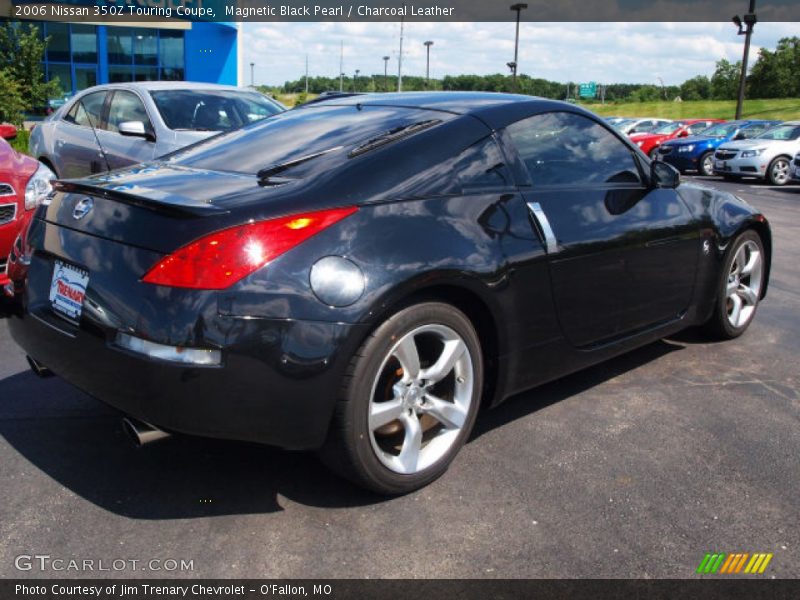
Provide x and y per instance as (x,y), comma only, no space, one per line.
(277,384)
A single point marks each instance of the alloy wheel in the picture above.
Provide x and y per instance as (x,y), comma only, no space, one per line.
(779,173)
(744,284)
(420,399)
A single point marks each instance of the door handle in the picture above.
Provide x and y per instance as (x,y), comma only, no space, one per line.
(550,241)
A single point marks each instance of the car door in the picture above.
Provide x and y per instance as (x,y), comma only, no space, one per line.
(123,150)
(622,255)
(76,149)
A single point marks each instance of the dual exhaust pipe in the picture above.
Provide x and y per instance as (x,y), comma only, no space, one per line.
(140,432)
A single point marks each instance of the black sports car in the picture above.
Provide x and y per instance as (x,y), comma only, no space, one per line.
(357,277)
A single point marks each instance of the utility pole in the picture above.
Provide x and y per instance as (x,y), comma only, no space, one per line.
(252,74)
(355,80)
(306,74)
(385,73)
(750,21)
(428,45)
(514,65)
(400,57)
(341,66)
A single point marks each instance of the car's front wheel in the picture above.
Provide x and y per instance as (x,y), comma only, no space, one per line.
(740,287)
(707,164)
(409,400)
(778,171)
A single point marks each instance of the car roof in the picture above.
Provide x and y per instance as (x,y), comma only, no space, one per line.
(493,108)
(165,85)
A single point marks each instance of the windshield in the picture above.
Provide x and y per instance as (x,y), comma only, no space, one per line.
(212,110)
(621,122)
(668,128)
(783,133)
(721,130)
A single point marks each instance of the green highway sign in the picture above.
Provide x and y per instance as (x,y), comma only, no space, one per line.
(587,90)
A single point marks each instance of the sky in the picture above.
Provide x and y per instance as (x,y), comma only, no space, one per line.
(600,52)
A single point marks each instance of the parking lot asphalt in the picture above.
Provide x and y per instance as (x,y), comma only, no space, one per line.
(634,468)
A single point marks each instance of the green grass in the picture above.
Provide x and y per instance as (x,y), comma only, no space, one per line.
(783,109)
(20,143)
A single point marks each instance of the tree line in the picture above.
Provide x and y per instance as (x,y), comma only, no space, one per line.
(775,74)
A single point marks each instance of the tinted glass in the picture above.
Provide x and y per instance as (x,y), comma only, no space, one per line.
(91,104)
(120,74)
(562,148)
(171,49)
(668,128)
(211,110)
(64,74)
(120,45)
(145,46)
(58,47)
(85,77)
(299,133)
(722,130)
(482,166)
(783,133)
(84,43)
(126,106)
(696,128)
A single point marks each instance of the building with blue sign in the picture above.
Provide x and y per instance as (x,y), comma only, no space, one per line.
(82,55)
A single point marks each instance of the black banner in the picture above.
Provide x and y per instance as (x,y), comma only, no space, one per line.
(395,10)
(296,589)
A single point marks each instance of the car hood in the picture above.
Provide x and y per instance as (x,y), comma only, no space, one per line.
(758,143)
(694,139)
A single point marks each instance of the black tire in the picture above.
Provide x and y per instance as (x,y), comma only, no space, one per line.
(785,176)
(719,326)
(349,449)
(705,166)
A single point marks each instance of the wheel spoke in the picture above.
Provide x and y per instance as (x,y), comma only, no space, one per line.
(747,294)
(752,264)
(383,413)
(453,349)
(739,260)
(736,311)
(412,443)
(449,414)
(406,352)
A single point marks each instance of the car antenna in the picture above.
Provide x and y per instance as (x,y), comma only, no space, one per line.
(96,138)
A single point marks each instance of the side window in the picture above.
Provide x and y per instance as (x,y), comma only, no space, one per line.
(696,128)
(126,106)
(482,166)
(88,111)
(753,131)
(562,148)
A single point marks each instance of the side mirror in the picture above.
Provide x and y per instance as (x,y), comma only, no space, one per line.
(7,131)
(683,134)
(664,175)
(740,136)
(134,129)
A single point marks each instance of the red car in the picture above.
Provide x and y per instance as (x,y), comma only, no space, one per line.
(24,184)
(650,141)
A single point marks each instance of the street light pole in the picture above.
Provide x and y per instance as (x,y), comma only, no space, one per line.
(428,45)
(750,21)
(513,65)
(252,74)
(355,79)
(385,73)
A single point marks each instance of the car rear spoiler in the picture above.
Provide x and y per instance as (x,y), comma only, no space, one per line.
(151,199)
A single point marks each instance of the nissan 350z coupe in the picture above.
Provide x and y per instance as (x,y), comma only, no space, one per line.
(359,276)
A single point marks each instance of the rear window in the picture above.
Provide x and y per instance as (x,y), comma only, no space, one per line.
(300,133)
(212,110)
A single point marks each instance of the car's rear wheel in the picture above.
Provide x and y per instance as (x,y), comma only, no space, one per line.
(409,400)
(707,164)
(740,287)
(778,171)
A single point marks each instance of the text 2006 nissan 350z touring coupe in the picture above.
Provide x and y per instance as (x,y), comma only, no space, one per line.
(359,276)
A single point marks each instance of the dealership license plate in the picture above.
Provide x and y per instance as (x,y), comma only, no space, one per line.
(67,290)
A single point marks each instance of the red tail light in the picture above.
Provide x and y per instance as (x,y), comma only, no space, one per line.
(220,259)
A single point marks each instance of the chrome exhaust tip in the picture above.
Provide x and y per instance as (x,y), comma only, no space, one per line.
(39,368)
(142,433)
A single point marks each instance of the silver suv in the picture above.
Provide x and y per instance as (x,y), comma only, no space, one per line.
(137,122)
